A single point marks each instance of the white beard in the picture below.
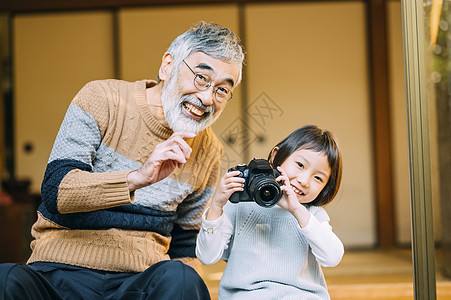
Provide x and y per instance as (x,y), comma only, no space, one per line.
(174,115)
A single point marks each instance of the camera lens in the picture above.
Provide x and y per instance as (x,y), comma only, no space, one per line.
(265,190)
(267,193)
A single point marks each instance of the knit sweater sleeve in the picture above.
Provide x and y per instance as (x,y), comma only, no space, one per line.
(69,183)
(325,244)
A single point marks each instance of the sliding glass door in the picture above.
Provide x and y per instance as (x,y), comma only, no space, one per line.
(428,100)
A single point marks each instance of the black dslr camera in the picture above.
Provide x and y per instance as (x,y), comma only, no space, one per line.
(260,183)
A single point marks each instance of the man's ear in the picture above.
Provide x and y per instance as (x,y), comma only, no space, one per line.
(166,67)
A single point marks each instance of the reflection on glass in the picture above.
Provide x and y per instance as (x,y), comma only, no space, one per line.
(437,16)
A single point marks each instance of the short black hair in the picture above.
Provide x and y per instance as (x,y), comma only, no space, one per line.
(311,137)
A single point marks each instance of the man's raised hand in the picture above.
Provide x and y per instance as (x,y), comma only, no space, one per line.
(172,153)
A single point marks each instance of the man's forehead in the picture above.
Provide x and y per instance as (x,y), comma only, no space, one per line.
(202,60)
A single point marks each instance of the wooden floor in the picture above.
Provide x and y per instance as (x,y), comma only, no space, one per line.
(381,275)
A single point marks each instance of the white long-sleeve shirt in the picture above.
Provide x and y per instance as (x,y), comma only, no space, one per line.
(269,256)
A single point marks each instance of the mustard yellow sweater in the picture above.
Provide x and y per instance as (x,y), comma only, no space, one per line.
(88,217)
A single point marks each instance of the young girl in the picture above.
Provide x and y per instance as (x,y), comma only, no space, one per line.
(276,253)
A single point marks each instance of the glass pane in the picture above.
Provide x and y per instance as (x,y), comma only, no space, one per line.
(437,18)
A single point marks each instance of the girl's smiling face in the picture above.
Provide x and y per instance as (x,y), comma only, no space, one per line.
(308,172)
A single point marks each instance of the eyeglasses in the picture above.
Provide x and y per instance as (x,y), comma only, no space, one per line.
(203,82)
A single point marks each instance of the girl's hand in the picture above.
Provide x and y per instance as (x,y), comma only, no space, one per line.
(290,202)
(229,184)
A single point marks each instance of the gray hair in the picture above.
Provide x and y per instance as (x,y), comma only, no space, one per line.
(211,39)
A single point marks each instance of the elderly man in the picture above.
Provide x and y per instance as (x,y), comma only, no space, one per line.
(131,170)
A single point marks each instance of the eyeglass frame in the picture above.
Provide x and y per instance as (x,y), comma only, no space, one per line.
(208,85)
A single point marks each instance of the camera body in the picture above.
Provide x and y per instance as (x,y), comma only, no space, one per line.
(260,183)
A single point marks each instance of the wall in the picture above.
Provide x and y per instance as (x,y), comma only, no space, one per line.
(54,56)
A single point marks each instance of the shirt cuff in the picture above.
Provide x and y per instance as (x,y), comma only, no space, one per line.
(210,227)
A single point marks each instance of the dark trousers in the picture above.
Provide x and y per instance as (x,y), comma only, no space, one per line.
(165,280)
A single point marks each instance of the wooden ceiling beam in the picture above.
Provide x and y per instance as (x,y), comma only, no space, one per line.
(23,6)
